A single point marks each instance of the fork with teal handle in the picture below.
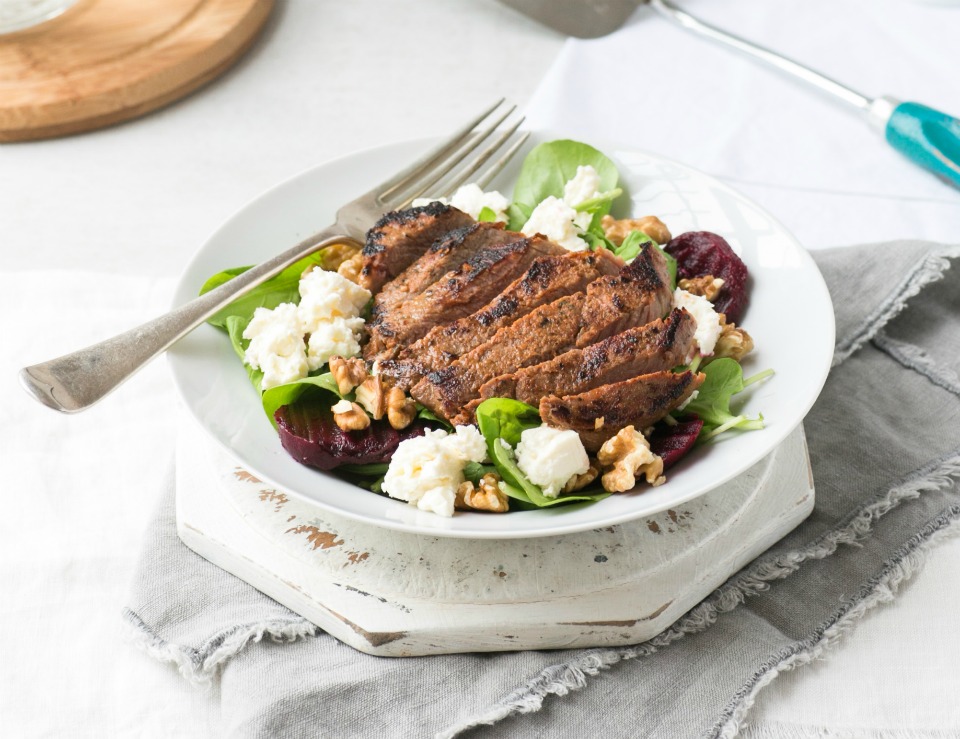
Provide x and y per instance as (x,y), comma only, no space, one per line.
(925,135)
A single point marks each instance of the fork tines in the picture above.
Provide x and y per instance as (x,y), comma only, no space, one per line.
(491,138)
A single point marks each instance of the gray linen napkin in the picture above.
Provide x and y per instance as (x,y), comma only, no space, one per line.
(885,444)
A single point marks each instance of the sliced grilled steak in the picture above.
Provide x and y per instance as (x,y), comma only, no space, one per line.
(640,293)
(547,279)
(538,336)
(660,345)
(402,236)
(639,401)
(458,293)
(446,254)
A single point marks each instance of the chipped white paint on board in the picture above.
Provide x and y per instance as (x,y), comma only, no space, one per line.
(399,594)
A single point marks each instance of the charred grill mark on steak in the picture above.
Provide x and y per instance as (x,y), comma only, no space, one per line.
(639,401)
(446,254)
(401,237)
(547,279)
(545,332)
(455,295)
(638,294)
(659,345)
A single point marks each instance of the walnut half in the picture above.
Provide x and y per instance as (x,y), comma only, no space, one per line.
(706,285)
(629,457)
(401,410)
(733,341)
(371,396)
(487,496)
(347,372)
(350,416)
(652,226)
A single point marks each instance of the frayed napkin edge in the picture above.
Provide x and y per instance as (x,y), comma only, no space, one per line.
(201,666)
(929,270)
(564,678)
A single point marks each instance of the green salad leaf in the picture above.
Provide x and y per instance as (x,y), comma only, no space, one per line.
(724,379)
(284,288)
(548,167)
(486,215)
(281,395)
(505,418)
(235,326)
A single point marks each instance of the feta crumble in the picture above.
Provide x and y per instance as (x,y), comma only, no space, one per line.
(328,313)
(426,471)
(708,320)
(471,199)
(558,219)
(276,345)
(549,457)
(555,219)
(585,185)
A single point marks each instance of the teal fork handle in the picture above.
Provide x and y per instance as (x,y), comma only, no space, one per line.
(928,137)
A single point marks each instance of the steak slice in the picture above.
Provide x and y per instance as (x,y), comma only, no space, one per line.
(599,414)
(458,293)
(640,293)
(538,336)
(546,280)
(660,345)
(402,236)
(447,253)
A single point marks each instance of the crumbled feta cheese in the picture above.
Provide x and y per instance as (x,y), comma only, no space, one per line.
(339,337)
(471,199)
(549,457)
(326,295)
(555,219)
(276,345)
(585,185)
(708,320)
(426,470)
(329,313)
(342,406)
(420,202)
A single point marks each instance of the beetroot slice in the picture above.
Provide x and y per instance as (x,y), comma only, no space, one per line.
(671,443)
(310,435)
(701,253)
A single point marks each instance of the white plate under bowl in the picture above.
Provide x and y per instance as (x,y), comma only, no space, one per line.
(789,315)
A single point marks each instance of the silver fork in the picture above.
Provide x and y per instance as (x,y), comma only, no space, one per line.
(76,381)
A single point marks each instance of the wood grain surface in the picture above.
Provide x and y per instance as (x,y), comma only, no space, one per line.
(107,61)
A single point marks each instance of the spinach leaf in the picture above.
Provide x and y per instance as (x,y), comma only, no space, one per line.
(517,215)
(505,418)
(282,395)
(632,246)
(284,288)
(549,166)
(505,461)
(235,326)
(474,471)
(724,379)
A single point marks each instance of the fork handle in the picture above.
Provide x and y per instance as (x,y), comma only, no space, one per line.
(76,381)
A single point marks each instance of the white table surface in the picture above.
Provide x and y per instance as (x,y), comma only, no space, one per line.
(95,228)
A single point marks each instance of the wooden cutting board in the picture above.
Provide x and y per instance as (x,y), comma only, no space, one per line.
(107,61)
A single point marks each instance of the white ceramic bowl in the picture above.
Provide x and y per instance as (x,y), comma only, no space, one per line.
(789,315)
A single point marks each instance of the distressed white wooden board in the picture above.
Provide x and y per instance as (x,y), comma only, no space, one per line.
(397,594)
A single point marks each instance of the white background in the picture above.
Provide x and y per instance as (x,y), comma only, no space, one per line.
(95,228)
